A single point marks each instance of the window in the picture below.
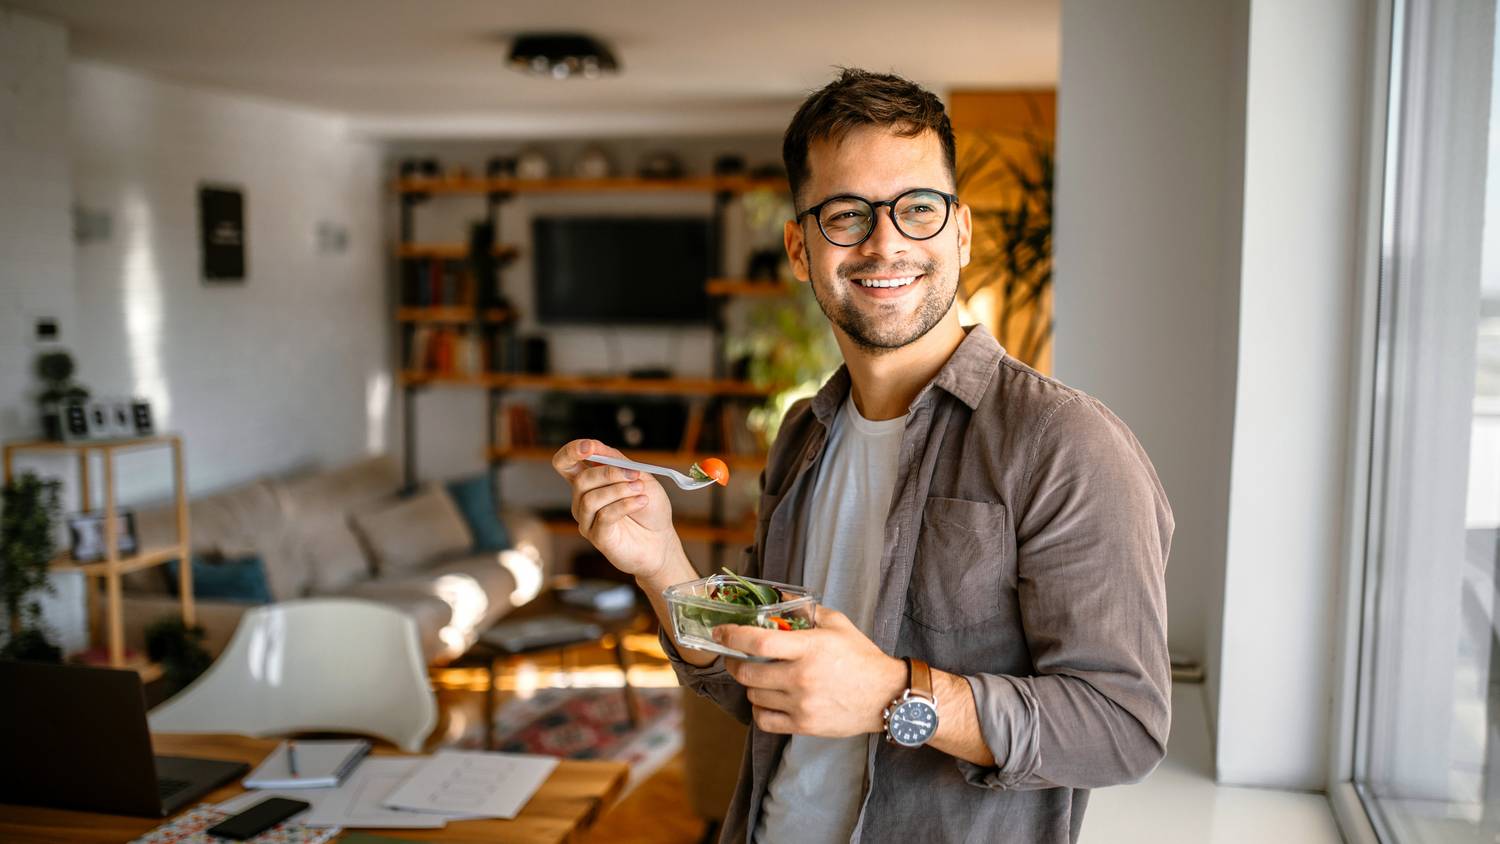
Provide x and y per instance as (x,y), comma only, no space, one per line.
(1426,745)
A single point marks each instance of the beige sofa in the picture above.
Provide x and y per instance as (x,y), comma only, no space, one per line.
(345,532)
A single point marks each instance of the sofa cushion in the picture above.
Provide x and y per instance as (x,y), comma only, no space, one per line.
(475,591)
(319,538)
(241,579)
(342,490)
(240,521)
(458,579)
(413,531)
(475,498)
(325,548)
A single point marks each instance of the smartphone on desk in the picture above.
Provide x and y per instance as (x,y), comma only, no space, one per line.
(257,819)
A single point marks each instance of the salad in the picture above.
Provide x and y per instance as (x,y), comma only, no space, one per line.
(711,469)
(741,599)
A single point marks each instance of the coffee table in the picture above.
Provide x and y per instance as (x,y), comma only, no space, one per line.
(483,654)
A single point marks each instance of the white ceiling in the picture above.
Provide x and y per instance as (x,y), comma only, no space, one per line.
(403,68)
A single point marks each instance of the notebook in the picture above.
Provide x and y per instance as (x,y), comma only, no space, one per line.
(319,764)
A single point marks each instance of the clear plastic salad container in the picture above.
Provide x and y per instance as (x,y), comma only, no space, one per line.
(696,612)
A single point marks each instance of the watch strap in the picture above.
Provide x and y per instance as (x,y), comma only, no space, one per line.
(920,679)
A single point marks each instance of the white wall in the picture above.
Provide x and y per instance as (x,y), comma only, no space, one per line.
(1303,167)
(1147,214)
(1208,197)
(36,248)
(289,367)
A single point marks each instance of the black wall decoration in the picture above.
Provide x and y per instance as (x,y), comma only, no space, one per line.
(221,220)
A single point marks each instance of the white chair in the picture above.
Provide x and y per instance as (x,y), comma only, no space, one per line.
(321,665)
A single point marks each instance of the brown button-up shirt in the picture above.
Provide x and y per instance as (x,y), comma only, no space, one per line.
(1025,550)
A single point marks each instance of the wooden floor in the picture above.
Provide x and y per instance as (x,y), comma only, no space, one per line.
(657,811)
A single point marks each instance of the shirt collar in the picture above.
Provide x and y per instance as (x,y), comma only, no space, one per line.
(966,375)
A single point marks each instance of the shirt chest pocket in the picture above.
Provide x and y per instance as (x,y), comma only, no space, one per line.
(964,569)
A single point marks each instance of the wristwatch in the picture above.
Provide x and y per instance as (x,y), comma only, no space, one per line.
(912,719)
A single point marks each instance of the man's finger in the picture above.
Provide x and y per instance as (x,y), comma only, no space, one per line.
(615,512)
(597,475)
(771,721)
(757,641)
(829,617)
(770,699)
(566,460)
(759,675)
(573,457)
(595,500)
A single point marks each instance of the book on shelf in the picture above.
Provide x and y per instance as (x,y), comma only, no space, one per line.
(437,282)
(444,350)
(515,426)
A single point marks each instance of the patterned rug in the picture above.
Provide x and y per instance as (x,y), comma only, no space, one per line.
(592,723)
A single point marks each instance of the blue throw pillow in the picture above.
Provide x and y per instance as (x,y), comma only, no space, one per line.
(239,579)
(476,501)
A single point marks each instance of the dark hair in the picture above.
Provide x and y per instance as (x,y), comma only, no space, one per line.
(859,98)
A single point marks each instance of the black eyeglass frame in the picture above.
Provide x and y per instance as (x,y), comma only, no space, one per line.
(951,200)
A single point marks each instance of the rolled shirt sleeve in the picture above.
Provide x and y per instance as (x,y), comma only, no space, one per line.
(711,681)
(1092,544)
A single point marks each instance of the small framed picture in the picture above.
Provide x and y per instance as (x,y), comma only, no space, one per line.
(87,531)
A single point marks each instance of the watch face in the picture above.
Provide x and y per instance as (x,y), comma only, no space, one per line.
(913,722)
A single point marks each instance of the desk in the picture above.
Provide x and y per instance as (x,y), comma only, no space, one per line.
(568,803)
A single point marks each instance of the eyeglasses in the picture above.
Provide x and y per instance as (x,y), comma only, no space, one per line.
(848,220)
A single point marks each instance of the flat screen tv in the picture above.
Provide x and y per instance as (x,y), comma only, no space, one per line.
(621,270)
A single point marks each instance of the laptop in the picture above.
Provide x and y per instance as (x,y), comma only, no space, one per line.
(75,737)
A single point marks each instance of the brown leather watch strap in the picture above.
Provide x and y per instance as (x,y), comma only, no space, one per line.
(920,681)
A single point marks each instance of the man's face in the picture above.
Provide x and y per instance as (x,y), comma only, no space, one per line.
(877,164)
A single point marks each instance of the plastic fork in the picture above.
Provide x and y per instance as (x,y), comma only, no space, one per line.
(682,481)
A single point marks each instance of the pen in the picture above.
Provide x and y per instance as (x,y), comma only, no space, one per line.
(291,757)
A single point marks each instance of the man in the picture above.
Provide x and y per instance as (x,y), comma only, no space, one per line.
(989,543)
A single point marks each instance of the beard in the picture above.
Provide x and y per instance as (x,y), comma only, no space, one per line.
(879,335)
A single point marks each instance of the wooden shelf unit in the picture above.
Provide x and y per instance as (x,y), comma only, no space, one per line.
(107,572)
(616,184)
(706,392)
(128,564)
(454,314)
(450,251)
(738,287)
(590,384)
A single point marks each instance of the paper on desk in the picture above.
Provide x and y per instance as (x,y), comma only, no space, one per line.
(472,784)
(357,803)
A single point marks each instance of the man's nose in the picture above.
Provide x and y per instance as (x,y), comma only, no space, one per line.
(885,241)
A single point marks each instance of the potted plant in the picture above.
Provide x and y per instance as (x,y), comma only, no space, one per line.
(28,512)
(179,649)
(786,343)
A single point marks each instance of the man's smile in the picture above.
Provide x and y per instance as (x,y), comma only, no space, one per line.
(885,286)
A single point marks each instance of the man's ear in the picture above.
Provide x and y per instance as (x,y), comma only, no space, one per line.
(965,234)
(796,249)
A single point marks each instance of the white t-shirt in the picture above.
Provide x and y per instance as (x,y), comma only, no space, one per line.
(815,793)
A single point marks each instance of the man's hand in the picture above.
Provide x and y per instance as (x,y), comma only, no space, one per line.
(624,513)
(832,681)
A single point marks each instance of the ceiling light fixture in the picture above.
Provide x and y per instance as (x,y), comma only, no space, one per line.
(561,55)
